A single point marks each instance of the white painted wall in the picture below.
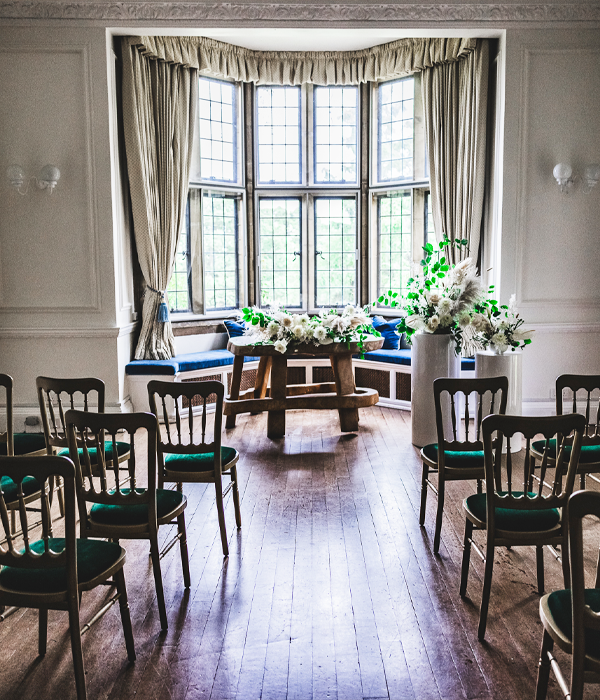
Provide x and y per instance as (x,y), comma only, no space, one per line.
(65,282)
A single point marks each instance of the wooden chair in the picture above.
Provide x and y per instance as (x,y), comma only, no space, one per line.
(586,385)
(124,510)
(51,573)
(571,618)
(521,517)
(186,456)
(461,456)
(55,396)
(12,443)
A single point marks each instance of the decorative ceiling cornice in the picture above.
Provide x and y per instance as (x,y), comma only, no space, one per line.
(129,10)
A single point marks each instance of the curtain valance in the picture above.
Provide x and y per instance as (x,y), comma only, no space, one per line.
(383,62)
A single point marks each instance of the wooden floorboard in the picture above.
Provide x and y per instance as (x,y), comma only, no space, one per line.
(330,591)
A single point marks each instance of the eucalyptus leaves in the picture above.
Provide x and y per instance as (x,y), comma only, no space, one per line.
(499,327)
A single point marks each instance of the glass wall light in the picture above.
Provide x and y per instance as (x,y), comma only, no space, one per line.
(47,179)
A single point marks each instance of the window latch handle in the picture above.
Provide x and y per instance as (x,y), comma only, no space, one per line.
(318,252)
(297,254)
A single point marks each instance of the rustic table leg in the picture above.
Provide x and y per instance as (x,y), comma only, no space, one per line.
(262,377)
(276,419)
(344,385)
(236,381)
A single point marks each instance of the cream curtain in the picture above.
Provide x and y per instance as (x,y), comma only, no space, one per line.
(386,61)
(159,112)
(455,106)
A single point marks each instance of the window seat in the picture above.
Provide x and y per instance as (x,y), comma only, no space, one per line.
(388,371)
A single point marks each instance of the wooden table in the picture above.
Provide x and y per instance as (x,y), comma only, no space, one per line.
(341,394)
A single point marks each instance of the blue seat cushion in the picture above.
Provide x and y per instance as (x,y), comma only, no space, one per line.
(387,328)
(122,448)
(462,460)
(25,443)
(166,502)
(559,603)
(199,462)
(395,357)
(589,453)
(93,557)
(513,519)
(11,492)
(183,363)
(235,329)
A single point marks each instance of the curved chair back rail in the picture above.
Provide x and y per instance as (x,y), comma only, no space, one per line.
(132,508)
(57,396)
(571,618)
(51,573)
(458,453)
(182,438)
(510,512)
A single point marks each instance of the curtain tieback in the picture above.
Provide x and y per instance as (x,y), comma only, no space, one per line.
(163,310)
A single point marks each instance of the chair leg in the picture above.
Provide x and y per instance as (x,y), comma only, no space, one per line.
(13,522)
(466,559)
(424,479)
(43,631)
(183,548)
(564,555)
(221,514)
(479,486)
(160,594)
(61,496)
(544,667)
(582,480)
(487,588)
(439,515)
(539,560)
(119,579)
(73,605)
(236,497)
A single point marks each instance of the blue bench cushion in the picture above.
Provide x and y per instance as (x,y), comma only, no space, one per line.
(387,328)
(184,363)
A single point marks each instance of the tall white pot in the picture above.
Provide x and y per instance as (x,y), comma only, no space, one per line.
(432,356)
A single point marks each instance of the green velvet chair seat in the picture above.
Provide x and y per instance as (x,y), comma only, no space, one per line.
(10,490)
(93,557)
(559,603)
(122,448)
(166,502)
(198,462)
(462,460)
(589,453)
(512,519)
(25,443)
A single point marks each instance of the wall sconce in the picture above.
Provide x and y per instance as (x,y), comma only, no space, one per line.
(591,175)
(47,179)
(563,174)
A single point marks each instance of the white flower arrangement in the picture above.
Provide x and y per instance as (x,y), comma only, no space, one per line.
(441,298)
(280,328)
(500,327)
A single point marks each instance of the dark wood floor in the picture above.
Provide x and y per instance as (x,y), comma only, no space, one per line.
(330,591)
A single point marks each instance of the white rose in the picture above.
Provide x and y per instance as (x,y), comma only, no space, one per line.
(445,320)
(320,334)
(286,321)
(444,306)
(298,331)
(280,346)
(498,340)
(433,297)
(433,323)
(272,328)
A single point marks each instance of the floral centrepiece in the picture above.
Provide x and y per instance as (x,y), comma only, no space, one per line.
(500,327)
(442,298)
(282,329)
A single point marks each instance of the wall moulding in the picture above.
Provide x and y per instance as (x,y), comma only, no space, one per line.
(293,12)
(23,333)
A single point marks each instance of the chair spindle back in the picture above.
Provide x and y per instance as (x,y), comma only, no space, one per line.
(7,437)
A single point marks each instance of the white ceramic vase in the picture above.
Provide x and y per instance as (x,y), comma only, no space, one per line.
(432,356)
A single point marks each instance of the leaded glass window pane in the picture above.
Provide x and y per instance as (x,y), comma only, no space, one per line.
(217,130)
(280,252)
(394,224)
(220,241)
(395,130)
(178,288)
(335,134)
(278,133)
(335,251)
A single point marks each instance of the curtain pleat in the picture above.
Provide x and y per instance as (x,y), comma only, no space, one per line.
(159,112)
(455,106)
(384,62)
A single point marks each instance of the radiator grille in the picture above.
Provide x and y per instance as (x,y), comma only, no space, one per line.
(197,400)
(373,379)
(402,386)
(322,375)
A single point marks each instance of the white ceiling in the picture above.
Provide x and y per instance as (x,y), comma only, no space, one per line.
(309,39)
